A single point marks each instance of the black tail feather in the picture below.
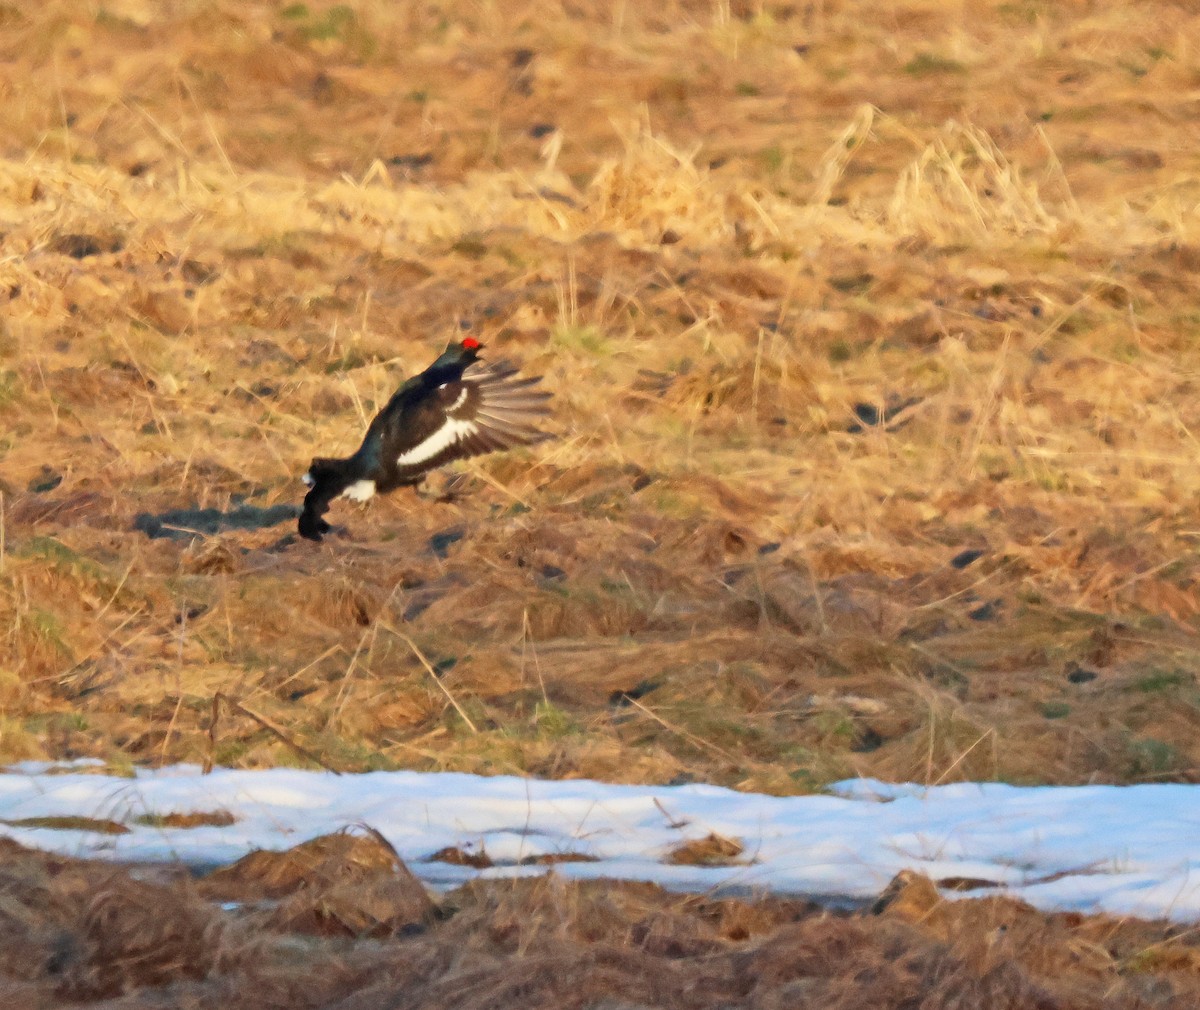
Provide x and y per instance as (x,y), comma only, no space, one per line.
(328,479)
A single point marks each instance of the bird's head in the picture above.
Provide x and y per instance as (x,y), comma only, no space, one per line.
(465,352)
(458,356)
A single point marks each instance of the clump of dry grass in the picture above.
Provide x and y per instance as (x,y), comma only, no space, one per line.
(344,884)
(93,932)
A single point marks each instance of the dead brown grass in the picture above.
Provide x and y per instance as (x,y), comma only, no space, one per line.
(82,934)
(826,301)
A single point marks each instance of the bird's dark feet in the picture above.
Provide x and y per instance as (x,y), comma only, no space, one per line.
(325,529)
(313,527)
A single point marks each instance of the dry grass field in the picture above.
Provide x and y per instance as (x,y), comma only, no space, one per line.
(872,332)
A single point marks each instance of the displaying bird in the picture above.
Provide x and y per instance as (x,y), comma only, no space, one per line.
(457,408)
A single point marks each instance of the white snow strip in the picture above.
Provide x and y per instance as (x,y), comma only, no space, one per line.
(449,433)
(1123,850)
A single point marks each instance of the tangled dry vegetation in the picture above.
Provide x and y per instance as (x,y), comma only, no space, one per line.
(339,923)
(872,340)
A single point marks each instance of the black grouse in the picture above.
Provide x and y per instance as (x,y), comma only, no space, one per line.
(458,407)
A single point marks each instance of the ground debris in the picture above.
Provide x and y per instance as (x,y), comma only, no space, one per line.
(712,850)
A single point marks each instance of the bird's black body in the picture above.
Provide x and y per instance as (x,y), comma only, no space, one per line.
(454,409)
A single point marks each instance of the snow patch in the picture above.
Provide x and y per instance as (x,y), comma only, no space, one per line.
(1124,850)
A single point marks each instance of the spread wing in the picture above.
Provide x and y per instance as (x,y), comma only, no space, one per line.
(489,409)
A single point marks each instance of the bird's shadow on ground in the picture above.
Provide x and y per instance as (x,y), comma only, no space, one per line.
(185,524)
